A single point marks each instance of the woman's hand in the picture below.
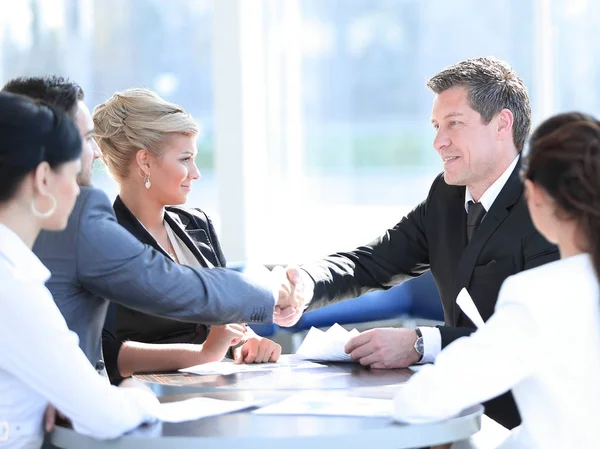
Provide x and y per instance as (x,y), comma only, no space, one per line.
(220,338)
(257,350)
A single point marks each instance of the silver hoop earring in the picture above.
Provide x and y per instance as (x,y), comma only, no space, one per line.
(46,214)
(147,182)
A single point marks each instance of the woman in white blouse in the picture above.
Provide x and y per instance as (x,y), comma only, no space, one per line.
(40,360)
(543,341)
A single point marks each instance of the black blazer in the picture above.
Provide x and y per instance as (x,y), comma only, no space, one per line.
(433,236)
(195,229)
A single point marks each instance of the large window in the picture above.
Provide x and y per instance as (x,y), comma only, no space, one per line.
(315,114)
(111,45)
(347,99)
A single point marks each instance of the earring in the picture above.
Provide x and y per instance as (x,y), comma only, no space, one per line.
(146,177)
(46,214)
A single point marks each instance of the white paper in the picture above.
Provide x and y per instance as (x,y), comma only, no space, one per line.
(196,408)
(465,302)
(326,346)
(229,367)
(329,405)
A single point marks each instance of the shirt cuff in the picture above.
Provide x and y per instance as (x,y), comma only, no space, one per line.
(308,280)
(432,344)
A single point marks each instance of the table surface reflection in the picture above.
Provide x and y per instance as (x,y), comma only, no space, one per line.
(251,430)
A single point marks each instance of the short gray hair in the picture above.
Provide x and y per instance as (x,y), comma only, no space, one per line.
(492,85)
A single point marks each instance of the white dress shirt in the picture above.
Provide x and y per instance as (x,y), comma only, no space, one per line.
(432,339)
(41,363)
(527,346)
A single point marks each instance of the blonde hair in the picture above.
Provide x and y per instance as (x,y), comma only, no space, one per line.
(136,119)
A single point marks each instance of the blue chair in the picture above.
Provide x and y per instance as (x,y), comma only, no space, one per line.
(416,298)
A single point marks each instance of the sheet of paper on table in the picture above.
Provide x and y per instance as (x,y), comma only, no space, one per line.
(329,404)
(196,408)
(325,346)
(226,367)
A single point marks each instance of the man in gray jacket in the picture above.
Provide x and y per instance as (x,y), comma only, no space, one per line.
(95,260)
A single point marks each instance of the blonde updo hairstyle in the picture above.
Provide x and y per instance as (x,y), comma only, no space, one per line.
(136,119)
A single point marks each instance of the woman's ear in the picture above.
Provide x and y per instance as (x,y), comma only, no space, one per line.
(41,178)
(142,158)
(536,195)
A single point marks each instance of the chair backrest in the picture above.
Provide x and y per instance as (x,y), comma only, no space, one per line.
(417,298)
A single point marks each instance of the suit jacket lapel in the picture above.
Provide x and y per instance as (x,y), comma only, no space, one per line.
(509,195)
(133,225)
(129,221)
(191,237)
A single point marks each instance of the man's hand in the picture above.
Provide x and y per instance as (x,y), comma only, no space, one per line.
(295,291)
(287,317)
(257,350)
(384,348)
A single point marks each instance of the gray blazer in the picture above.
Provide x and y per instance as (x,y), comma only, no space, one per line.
(95,260)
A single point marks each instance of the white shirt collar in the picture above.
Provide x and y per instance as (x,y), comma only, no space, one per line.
(490,195)
(15,252)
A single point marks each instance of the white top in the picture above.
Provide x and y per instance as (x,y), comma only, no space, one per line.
(527,346)
(183,253)
(432,339)
(41,363)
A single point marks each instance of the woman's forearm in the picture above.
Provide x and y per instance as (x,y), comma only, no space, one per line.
(135,357)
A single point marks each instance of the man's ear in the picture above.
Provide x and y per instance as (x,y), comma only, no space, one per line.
(505,122)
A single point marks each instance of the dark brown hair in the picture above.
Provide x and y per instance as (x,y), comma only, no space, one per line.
(564,159)
(492,85)
(56,91)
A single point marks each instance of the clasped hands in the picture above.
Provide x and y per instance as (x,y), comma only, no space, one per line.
(295,290)
(382,348)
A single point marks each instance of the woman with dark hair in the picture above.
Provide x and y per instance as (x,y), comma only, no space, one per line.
(40,360)
(552,371)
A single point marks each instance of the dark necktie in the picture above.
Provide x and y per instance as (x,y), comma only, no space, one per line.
(474,217)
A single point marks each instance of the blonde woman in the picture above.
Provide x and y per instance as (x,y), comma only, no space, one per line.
(149,146)
(40,360)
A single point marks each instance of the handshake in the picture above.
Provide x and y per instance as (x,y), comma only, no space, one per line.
(294,290)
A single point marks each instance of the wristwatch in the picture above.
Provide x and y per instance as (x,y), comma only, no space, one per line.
(419,346)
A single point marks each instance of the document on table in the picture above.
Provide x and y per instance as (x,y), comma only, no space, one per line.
(226,367)
(318,346)
(328,404)
(466,304)
(196,408)
(326,346)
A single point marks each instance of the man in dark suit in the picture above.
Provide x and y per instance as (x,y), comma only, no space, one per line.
(472,231)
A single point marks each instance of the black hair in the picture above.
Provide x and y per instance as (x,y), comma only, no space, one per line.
(31,133)
(53,90)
